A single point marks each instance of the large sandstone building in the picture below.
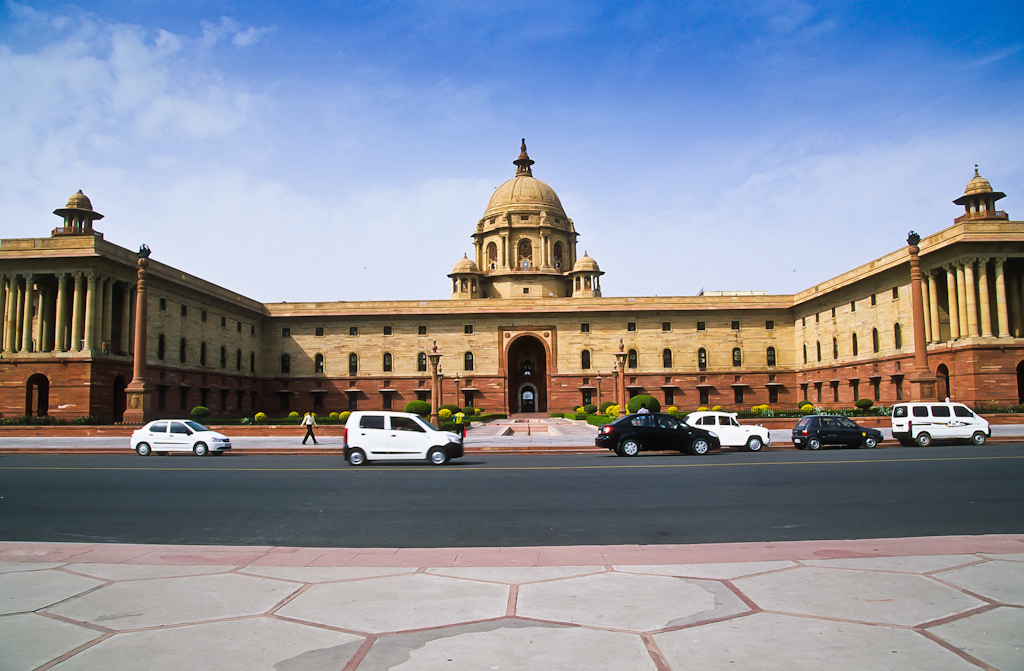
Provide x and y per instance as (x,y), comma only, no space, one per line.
(526,328)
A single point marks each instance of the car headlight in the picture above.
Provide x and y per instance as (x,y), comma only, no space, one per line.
(712,434)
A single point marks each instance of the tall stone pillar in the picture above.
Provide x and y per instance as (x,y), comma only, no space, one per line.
(435,382)
(60,330)
(108,315)
(923,383)
(4,311)
(11,318)
(952,299)
(620,362)
(45,322)
(26,323)
(1013,304)
(933,303)
(1002,314)
(961,298)
(90,311)
(1020,303)
(139,406)
(927,311)
(77,310)
(986,304)
(124,347)
(971,291)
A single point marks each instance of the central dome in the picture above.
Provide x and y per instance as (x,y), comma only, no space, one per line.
(524,190)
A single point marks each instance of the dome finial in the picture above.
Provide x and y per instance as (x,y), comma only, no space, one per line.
(976,170)
(523,163)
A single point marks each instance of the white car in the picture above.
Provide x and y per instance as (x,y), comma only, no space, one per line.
(921,423)
(385,435)
(178,435)
(729,430)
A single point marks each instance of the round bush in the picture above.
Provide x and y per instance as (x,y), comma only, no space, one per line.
(603,408)
(672,410)
(421,408)
(478,411)
(702,409)
(333,415)
(200,412)
(863,403)
(293,415)
(634,403)
(260,417)
(469,411)
(803,403)
(716,408)
(807,409)
(612,411)
(343,417)
(444,414)
(590,408)
(449,406)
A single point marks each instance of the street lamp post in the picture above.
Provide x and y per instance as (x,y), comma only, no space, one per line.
(620,363)
(435,381)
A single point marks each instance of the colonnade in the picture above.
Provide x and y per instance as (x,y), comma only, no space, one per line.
(984,298)
(65,312)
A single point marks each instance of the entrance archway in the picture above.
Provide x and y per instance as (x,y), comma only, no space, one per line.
(37,395)
(526,366)
(1020,382)
(120,399)
(944,389)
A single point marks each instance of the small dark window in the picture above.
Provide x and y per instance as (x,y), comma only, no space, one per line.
(202,316)
(805,352)
(735,325)
(702,360)
(584,327)
(468,329)
(897,334)
(962,411)
(163,305)
(817,346)
(853,343)
(833,313)
(940,411)
(769,325)
(853,306)
(387,362)
(387,330)
(286,363)
(835,348)
(421,362)
(182,351)
(773,394)
(737,393)
(895,293)
(467,361)
(223,322)
(252,329)
(353,330)
(239,324)
(631,326)
(817,317)
(252,362)
(666,358)
(705,396)
(803,321)
(371,422)
(919,411)
(319,331)
(223,356)
(899,389)
(666,326)
(701,326)
(184,311)
(286,332)
(353,363)
(771,357)
(161,347)
(874,299)
(318,363)
(238,366)
(737,356)
(874,340)
(585,359)
(631,359)
(421,330)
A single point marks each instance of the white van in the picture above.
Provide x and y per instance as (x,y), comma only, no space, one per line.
(381,434)
(921,423)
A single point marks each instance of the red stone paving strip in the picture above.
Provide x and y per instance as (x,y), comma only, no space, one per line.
(585,555)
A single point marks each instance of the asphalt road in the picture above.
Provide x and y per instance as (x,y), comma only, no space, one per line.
(482,500)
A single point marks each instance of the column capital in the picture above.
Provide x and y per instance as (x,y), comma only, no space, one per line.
(999,259)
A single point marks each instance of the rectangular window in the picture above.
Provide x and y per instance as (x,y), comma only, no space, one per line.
(705,396)
(252,329)
(899,389)
(666,326)
(202,316)
(526,290)
(421,330)
(835,392)
(769,325)
(737,393)
(353,330)
(163,305)
(387,330)
(184,310)
(773,394)
(874,299)
(631,326)
(239,330)
(701,326)
(584,327)
(353,402)
(803,321)
(833,313)
(735,325)
(468,329)
(853,306)
(817,317)
(223,322)
(386,401)
(877,386)
(319,331)
(817,390)
(286,332)
(895,293)
(318,401)
(669,397)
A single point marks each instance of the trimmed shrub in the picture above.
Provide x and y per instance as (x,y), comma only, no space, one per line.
(702,409)
(293,415)
(569,415)
(716,408)
(590,408)
(200,413)
(603,408)
(421,408)
(333,415)
(343,417)
(807,409)
(449,406)
(477,411)
(672,410)
(260,417)
(612,411)
(599,420)
(469,411)
(804,402)
(863,403)
(444,414)
(634,403)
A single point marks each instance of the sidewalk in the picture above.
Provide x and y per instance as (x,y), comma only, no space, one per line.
(916,603)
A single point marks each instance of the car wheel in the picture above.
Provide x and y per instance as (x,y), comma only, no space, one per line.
(754,444)
(200,449)
(870,441)
(906,442)
(978,438)
(437,456)
(143,449)
(924,439)
(629,448)
(800,446)
(699,447)
(813,444)
(357,457)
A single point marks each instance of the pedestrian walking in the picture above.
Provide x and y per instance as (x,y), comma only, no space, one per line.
(309,421)
(460,421)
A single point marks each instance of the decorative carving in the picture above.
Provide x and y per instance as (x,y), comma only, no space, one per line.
(913,239)
(144,252)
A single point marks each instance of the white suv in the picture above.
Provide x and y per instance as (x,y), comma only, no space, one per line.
(729,430)
(380,434)
(921,423)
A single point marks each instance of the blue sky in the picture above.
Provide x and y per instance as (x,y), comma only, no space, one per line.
(344,151)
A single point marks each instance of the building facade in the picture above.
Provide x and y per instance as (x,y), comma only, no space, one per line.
(526,328)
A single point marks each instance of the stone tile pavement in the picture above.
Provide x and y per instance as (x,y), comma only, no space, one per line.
(917,603)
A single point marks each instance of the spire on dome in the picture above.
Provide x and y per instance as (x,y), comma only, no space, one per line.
(523,163)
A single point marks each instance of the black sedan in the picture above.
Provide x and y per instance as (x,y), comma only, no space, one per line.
(632,434)
(813,431)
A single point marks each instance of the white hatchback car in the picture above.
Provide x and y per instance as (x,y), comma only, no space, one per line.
(178,435)
(381,434)
(729,430)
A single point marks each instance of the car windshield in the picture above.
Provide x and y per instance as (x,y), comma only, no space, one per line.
(427,425)
(195,426)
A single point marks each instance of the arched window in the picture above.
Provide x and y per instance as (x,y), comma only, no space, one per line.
(817,347)
(897,334)
(853,342)
(835,348)
(223,356)
(585,359)
(238,359)
(558,256)
(182,352)
(318,363)
(737,356)
(467,361)
(771,357)
(161,347)
(631,359)
(805,352)
(874,340)
(353,363)
(202,353)
(579,283)
(286,363)
(421,362)
(387,362)
(492,255)
(525,249)
(702,359)
(666,358)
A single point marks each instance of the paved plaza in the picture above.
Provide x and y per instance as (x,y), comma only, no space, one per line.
(918,603)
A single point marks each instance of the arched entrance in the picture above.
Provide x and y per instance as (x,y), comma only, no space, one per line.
(526,366)
(1020,382)
(944,389)
(120,399)
(37,395)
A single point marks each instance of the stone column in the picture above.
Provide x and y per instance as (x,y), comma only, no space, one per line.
(1001,311)
(933,303)
(108,314)
(620,362)
(126,310)
(1020,303)
(45,320)
(435,382)
(60,331)
(139,395)
(77,316)
(26,323)
(927,312)
(6,308)
(971,289)
(961,299)
(986,308)
(19,305)
(90,312)
(953,302)
(923,382)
